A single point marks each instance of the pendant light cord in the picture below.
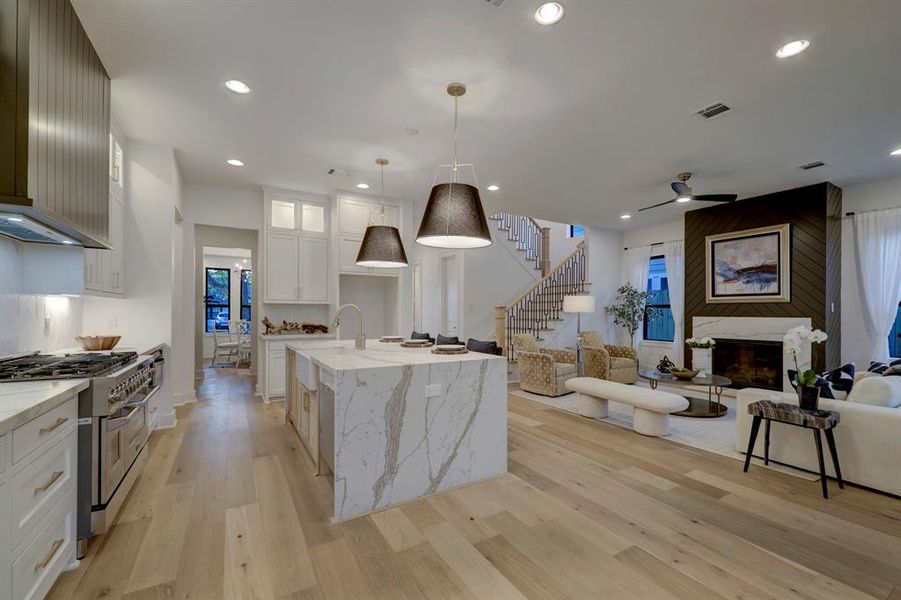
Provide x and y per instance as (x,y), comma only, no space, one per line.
(382,193)
(456,166)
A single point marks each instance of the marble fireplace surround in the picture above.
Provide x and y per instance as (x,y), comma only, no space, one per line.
(770,329)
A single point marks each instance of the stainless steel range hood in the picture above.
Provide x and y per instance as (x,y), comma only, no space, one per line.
(54,130)
(25,229)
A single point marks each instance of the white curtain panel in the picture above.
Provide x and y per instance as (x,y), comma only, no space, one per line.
(878,240)
(637,266)
(674,254)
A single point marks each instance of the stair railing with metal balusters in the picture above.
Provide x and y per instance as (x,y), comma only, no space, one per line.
(542,303)
(530,237)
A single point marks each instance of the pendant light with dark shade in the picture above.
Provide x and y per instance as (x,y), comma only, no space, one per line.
(454,217)
(382,247)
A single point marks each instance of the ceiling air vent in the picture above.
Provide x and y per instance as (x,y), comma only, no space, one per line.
(708,112)
(339,172)
(812,165)
(495,2)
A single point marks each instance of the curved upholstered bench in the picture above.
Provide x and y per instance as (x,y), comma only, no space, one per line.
(650,408)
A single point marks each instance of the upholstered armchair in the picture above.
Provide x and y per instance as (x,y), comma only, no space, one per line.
(608,361)
(543,370)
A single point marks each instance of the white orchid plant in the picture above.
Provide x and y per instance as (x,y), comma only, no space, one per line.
(793,341)
(704,342)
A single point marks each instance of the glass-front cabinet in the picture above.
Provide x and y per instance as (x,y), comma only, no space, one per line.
(298,216)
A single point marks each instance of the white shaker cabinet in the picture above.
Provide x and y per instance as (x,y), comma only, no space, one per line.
(282,267)
(354,215)
(296,259)
(112,262)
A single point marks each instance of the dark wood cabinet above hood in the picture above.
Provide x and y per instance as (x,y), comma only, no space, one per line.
(54,121)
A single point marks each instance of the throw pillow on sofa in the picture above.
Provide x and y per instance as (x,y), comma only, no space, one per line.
(881,367)
(834,384)
(878,391)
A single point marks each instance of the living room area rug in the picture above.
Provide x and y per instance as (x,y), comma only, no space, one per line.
(715,435)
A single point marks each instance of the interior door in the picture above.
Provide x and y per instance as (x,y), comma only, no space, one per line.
(450,295)
(282,267)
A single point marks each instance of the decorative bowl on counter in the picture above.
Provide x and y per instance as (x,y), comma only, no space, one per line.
(97,342)
(683,373)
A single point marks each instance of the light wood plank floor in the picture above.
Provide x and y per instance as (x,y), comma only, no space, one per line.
(228,508)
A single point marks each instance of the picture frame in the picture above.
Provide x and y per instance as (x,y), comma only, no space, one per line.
(752,265)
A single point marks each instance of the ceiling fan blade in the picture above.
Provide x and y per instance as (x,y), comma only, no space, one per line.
(680,188)
(716,197)
(656,205)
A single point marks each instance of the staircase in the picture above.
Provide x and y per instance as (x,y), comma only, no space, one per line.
(540,307)
(528,237)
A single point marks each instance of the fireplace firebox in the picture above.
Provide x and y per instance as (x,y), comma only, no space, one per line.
(749,363)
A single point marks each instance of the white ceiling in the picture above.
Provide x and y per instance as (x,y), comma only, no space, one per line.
(576,122)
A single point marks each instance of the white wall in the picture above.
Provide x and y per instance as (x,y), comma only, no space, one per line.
(377,299)
(561,245)
(859,198)
(145,315)
(24,317)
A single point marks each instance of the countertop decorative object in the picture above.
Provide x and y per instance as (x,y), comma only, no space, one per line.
(97,342)
(293,327)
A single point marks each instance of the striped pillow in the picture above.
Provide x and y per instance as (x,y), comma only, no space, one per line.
(834,384)
(881,367)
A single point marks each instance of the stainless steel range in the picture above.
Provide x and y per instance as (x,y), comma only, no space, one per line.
(112,423)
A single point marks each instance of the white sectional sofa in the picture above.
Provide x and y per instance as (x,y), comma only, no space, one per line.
(868,438)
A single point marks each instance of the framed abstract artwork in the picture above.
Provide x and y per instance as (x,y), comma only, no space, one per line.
(753,265)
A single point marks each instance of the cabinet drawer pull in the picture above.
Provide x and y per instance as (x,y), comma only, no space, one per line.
(60,421)
(43,488)
(53,549)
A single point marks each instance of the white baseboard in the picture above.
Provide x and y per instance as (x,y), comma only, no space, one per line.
(165,421)
(184,398)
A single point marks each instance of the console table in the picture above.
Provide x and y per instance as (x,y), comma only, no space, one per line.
(790,414)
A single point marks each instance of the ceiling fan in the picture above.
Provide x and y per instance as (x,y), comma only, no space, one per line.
(684,194)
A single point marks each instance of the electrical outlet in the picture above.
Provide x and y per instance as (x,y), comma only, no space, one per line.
(432,390)
(113,323)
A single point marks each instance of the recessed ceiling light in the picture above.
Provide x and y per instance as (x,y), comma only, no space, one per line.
(235,162)
(549,13)
(625,216)
(362,186)
(14,219)
(237,86)
(895,152)
(792,48)
(493,188)
(683,199)
(68,242)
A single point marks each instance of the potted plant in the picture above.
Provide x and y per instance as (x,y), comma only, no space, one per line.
(806,381)
(701,354)
(630,309)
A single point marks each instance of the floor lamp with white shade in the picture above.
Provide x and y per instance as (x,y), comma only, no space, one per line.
(578,304)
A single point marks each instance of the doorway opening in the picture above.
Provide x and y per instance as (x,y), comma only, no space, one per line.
(228,306)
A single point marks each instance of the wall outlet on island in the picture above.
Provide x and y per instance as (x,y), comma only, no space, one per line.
(112,323)
(432,390)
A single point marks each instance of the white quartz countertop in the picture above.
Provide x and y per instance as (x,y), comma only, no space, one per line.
(335,355)
(22,401)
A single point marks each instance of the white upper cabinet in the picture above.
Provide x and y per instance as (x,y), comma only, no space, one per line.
(282,267)
(283,215)
(313,269)
(296,260)
(104,270)
(355,215)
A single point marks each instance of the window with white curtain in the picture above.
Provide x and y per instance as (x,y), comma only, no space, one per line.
(660,328)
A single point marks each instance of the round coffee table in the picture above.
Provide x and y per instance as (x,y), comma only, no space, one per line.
(697,407)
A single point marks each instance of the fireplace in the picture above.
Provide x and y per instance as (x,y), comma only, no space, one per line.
(749,363)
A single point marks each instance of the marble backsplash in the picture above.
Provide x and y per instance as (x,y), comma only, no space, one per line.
(30,321)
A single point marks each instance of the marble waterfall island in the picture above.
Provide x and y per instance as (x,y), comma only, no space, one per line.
(395,424)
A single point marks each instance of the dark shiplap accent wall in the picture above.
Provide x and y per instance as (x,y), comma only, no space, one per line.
(814,213)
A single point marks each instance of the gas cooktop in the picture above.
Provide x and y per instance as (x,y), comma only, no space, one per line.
(68,366)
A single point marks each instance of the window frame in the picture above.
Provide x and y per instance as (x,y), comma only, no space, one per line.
(249,306)
(571,231)
(206,296)
(645,320)
(894,345)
